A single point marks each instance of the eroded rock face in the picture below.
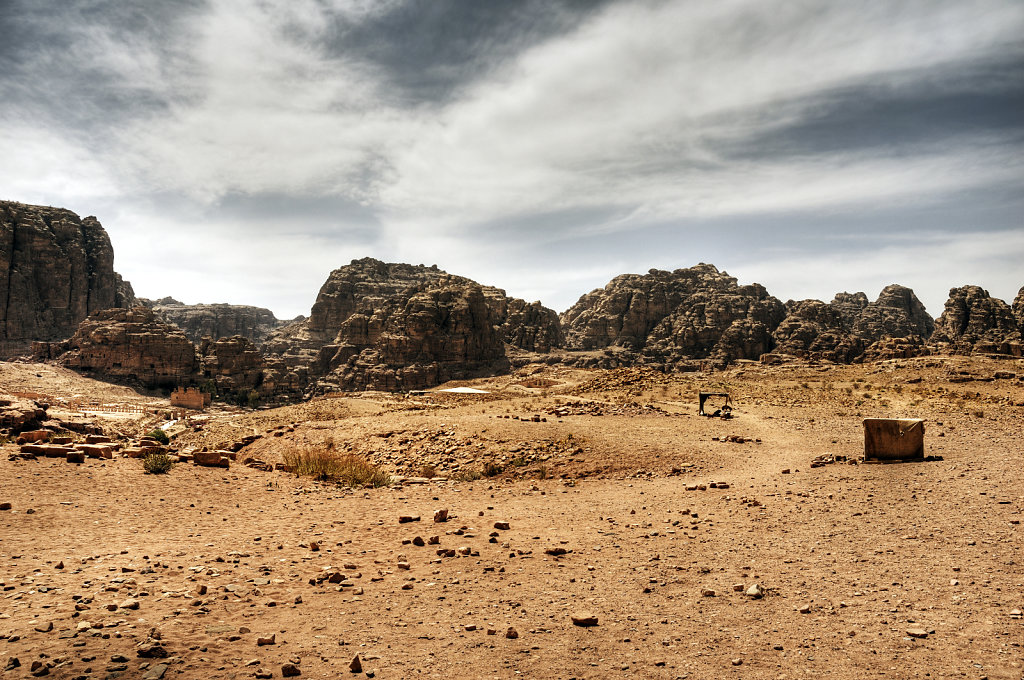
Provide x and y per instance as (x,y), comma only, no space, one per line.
(971,315)
(130,345)
(217,321)
(1018,309)
(235,365)
(850,328)
(55,269)
(670,317)
(897,313)
(386,326)
(818,330)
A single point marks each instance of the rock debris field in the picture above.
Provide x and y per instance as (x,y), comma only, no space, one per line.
(589,526)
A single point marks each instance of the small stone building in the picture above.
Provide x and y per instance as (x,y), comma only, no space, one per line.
(190,397)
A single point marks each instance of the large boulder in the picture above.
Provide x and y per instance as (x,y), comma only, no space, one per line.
(130,345)
(55,269)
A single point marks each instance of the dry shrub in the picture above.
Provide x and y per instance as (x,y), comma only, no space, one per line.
(327,465)
(428,471)
(157,463)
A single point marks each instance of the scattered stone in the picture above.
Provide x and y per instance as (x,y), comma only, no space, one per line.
(917,632)
(405,519)
(45,627)
(805,609)
(512,633)
(262,641)
(755,591)
(584,619)
(356,666)
(290,670)
(501,525)
(441,515)
(156,672)
(707,592)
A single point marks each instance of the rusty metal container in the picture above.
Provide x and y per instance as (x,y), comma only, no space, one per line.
(890,439)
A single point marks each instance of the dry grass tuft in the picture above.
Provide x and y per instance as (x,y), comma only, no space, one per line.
(327,465)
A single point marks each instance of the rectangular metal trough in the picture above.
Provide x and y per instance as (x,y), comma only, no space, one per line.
(892,439)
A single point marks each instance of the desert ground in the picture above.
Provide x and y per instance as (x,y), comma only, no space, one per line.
(569,494)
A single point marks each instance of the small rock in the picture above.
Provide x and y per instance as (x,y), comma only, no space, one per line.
(707,592)
(262,641)
(5,506)
(737,662)
(441,515)
(806,609)
(156,672)
(405,519)
(356,666)
(917,632)
(45,627)
(290,670)
(584,619)
(418,541)
(511,633)
(755,591)
(501,525)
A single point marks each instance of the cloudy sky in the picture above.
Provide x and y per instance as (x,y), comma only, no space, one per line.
(239,150)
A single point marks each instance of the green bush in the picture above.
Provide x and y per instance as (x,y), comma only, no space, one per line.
(159,435)
(157,463)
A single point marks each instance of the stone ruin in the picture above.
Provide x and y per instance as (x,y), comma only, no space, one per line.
(190,398)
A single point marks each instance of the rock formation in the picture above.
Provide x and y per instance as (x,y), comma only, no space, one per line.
(130,345)
(818,330)
(217,320)
(897,313)
(397,327)
(1018,309)
(235,365)
(670,317)
(55,269)
(975,321)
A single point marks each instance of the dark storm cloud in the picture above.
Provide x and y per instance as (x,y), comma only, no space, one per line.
(428,50)
(918,108)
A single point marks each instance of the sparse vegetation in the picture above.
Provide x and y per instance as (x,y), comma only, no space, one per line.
(159,435)
(157,463)
(347,469)
(428,471)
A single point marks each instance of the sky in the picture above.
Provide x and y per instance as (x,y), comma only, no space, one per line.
(239,150)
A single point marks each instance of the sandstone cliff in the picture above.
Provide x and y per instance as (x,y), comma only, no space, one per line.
(1018,308)
(55,269)
(398,327)
(236,367)
(850,328)
(973,321)
(130,345)
(671,317)
(217,320)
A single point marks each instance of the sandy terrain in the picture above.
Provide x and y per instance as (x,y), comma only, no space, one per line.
(910,570)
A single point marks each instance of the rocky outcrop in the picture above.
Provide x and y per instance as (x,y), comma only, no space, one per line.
(1018,309)
(897,313)
(972,315)
(530,326)
(974,321)
(671,317)
(129,345)
(55,269)
(818,330)
(217,321)
(386,326)
(850,328)
(236,367)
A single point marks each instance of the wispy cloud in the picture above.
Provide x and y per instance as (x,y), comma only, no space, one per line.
(509,137)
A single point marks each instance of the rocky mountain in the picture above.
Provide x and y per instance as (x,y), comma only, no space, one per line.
(671,317)
(973,321)
(851,328)
(129,345)
(55,270)
(218,320)
(397,327)
(236,367)
(1018,309)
